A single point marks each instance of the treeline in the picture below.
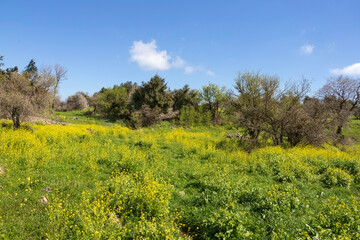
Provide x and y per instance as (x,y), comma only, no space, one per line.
(258,105)
(151,102)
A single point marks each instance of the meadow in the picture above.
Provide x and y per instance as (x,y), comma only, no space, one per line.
(105,181)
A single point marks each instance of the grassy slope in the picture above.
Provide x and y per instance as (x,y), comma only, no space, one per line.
(111,182)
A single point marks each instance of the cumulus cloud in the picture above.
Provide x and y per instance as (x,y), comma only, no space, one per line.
(307,49)
(352,70)
(149,57)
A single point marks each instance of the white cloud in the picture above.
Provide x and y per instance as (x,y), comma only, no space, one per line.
(178,62)
(189,69)
(210,73)
(149,57)
(307,49)
(352,70)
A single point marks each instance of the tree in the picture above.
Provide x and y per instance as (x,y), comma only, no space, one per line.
(261,106)
(154,94)
(1,64)
(213,97)
(255,99)
(16,98)
(77,102)
(13,69)
(113,103)
(341,95)
(42,86)
(60,75)
(31,67)
(31,71)
(185,97)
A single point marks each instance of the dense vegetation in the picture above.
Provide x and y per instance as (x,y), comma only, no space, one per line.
(142,161)
(161,182)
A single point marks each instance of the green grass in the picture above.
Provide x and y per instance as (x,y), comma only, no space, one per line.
(109,182)
(82,117)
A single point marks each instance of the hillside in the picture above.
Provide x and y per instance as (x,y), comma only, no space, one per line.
(105,181)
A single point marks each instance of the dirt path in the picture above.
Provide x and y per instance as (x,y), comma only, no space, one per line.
(46,121)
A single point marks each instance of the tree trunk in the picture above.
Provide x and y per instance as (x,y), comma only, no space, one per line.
(16,120)
(339,129)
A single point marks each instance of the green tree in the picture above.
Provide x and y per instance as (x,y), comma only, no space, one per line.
(214,97)
(255,97)
(31,71)
(113,103)
(153,94)
(31,67)
(189,116)
(185,97)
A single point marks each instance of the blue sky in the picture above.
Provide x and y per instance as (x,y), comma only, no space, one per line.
(103,43)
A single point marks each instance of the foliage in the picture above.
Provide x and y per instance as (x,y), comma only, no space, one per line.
(185,97)
(154,94)
(336,177)
(262,107)
(191,117)
(16,97)
(165,182)
(144,117)
(77,102)
(213,98)
(113,103)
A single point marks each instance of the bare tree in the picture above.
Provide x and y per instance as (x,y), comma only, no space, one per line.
(46,79)
(60,75)
(341,95)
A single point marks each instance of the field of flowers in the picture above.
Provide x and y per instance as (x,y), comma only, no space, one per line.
(165,182)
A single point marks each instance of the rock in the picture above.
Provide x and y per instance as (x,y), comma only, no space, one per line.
(43,200)
(46,190)
(90,130)
(235,135)
(114,218)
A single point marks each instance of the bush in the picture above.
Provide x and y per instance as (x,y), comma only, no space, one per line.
(76,102)
(144,117)
(190,117)
(113,103)
(336,177)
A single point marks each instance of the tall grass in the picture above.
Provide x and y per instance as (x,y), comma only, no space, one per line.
(110,182)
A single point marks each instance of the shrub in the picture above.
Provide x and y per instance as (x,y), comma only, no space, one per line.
(76,102)
(336,177)
(113,103)
(144,117)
